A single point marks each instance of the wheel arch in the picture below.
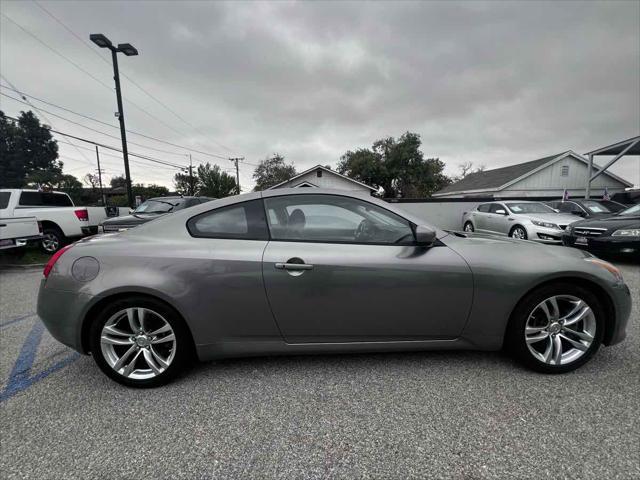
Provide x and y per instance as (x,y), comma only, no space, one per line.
(592,286)
(103,301)
(51,224)
(513,227)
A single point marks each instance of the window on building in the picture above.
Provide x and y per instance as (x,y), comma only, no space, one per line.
(319,173)
(565,171)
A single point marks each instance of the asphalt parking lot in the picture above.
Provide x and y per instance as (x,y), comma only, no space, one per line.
(462,415)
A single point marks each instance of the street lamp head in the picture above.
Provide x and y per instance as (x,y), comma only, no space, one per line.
(128,49)
(100,40)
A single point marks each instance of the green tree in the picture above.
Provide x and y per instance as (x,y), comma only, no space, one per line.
(118,181)
(397,166)
(149,191)
(213,182)
(28,152)
(186,184)
(72,186)
(272,171)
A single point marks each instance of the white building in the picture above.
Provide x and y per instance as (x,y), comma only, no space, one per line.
(546,177)
(323,177)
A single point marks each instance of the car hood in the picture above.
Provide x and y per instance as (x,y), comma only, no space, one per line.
(558,218)
(132,220)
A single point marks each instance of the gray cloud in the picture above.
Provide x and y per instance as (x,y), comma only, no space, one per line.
(494,83)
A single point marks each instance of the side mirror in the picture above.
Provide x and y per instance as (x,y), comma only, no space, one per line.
(425,236)
(501,212)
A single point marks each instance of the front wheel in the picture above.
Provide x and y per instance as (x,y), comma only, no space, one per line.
(518,232)
(140,342)
(556,329)
(468,227)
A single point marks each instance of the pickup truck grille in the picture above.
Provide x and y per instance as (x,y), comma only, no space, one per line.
(589,232)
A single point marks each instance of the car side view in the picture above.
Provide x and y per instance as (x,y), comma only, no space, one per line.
(518,219)
(307,271)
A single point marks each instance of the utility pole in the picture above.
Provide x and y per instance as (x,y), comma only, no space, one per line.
(104,200)
(191,189)
(236,160)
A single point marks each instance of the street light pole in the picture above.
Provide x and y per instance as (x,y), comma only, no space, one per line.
(129,50)
(123,133)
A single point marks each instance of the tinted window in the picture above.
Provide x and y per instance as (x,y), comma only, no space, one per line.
(495,207)
(332,218)
(484,208)
(45,199)
(567,207)
(4,199)
(241,221)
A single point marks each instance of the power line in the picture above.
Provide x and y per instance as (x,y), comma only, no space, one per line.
(25,30)
(113,126)
(146,92)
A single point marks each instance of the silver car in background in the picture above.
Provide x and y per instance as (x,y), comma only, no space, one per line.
(307,271)
(518,219)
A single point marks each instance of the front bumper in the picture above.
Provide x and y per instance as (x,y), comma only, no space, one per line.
(544,235)
(62,313)
(605,245)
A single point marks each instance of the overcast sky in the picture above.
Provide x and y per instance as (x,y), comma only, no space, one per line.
(492,83)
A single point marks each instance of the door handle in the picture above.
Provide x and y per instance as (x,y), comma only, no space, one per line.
(293,266)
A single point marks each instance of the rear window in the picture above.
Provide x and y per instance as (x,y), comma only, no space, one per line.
(45,199)
(4,199)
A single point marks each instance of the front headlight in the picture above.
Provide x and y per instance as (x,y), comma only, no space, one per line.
(545,224)
(627,232)
(615,271)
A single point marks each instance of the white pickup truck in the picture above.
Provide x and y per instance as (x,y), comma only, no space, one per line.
(19,231)
(61,220)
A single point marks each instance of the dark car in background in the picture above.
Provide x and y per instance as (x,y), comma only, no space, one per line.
(613,235)
(150,210)
(582,208)
(630,197)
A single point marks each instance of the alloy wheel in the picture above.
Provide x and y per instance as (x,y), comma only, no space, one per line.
(519,233)
(50,242)
(560,330)
(138,343)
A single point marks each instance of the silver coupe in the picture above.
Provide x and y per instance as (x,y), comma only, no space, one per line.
(306,271)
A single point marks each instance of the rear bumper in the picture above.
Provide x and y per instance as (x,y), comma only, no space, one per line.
(62,313)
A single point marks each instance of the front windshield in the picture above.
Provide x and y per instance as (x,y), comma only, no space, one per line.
(635,210)
(155,206)
(533,207)
(595,207)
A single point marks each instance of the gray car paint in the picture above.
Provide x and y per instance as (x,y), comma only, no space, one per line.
(456,294)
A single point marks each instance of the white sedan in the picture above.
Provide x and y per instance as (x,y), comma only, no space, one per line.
(518,219)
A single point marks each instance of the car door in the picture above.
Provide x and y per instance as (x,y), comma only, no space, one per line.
(497,221)
(481,216)
(340,269)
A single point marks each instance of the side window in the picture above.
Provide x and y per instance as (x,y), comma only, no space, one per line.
(332,218)
(32,199)
(56,200)
(240,221)
(4,199)
(566,207)
(484,208)
(495,207)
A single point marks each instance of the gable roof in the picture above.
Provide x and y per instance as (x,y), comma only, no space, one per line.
(499,178)
(328,170)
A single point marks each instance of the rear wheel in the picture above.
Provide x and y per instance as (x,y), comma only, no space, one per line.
(52,240)
(468,227)
(518,232)
(140,342)
(556,328)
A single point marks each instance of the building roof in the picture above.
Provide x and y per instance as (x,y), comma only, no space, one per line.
(328,170)
(499,178)
(619,147)
(493,179)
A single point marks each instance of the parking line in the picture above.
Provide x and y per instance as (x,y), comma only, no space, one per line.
(20,378)
(17,319)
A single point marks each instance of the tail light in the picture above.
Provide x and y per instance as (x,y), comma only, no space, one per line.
(39,226)
(83,215)
(54,258)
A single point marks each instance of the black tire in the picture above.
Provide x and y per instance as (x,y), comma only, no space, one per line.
(515,341)
(521,229)
(183,342)
(468,225)
(52,240)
